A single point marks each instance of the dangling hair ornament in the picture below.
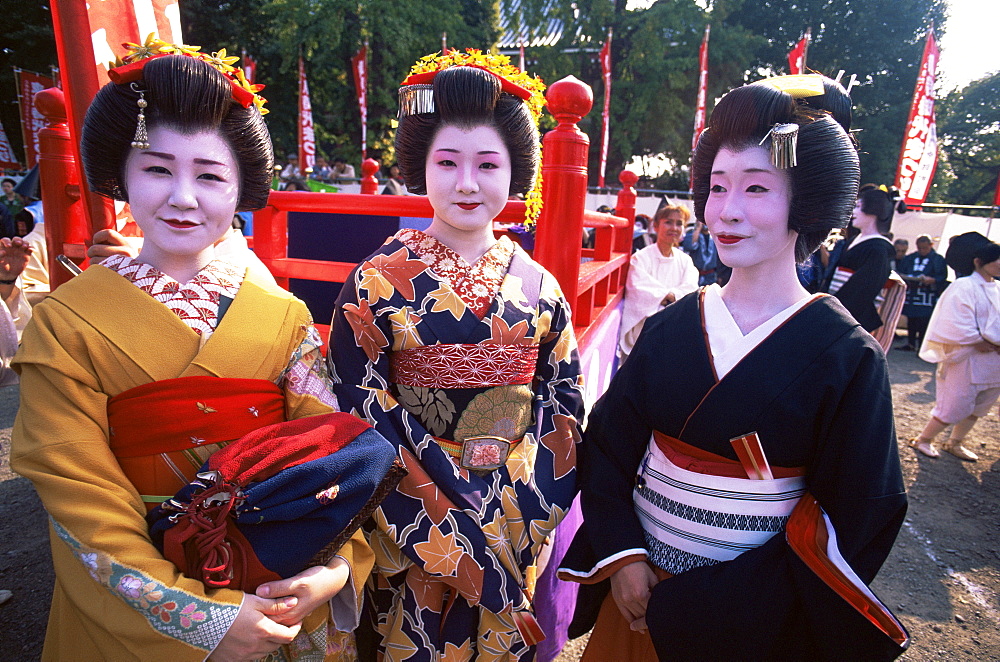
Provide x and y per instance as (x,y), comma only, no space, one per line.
(784,140)
(141,139)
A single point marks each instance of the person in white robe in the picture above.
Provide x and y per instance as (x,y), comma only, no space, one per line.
(963,338)
(658,275)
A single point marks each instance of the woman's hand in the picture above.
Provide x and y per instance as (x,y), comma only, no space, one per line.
(14,254)
(110,242)
(256,632)
(311,587)
(630,587)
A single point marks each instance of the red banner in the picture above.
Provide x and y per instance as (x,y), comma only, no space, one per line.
(918,157)
(114,22)
(797,56)
(359,64)
(699,111)
(32,122)
(996,196)
(307,136)
(605,57)
(7,159)
(249,66)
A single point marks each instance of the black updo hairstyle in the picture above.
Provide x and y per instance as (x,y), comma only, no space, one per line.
(189,96)
(878,203)
(988,252)
(468,97)
(824,184)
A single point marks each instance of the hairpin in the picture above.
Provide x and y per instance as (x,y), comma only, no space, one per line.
(416,100)
(798,86)
(784,140)
(141,139)
(128,69)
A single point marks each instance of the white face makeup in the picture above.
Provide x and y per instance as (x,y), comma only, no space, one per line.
(183,191)
(468,180)
(747,209)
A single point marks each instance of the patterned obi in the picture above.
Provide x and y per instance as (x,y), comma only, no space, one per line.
(482,446)
(161,433)
(698,509)
(464,366)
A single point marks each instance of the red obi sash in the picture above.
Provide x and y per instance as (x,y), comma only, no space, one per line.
(464,366)
(694,459)
(162,432)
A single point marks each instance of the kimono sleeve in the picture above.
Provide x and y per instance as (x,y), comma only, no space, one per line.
(766,603)
(859,292)
(422,517)
(107,568)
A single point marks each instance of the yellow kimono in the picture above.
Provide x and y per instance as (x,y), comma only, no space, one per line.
(116,597)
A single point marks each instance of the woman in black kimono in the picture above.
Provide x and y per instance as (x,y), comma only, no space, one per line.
(864,266)
(747,411)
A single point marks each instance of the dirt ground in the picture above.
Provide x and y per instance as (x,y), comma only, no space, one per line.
(942,578)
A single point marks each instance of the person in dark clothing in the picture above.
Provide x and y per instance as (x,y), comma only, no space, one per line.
(926,275)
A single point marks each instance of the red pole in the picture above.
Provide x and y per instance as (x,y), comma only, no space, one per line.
(66,229)
(625,207)
(78,72)
(369,183)
(558,239)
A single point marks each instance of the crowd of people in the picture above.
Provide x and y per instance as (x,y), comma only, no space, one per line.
(766,467)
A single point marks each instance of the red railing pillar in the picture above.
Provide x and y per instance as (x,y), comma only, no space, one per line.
(66,230)
(625,207)
(369,183)
(558,238)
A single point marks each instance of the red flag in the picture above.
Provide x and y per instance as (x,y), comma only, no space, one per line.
(996,196)
(249,66)
(114,22)
(32,122)
(7,159)
(797,56)
(307,135)
(605,132)
(918,157)
(699,111)
(359,63)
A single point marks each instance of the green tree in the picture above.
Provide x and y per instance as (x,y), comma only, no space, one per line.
(968,126)
(881,41)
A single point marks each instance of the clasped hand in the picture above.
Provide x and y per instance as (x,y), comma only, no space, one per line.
(630,587)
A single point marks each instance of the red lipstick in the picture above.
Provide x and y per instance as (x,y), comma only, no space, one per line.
(469,205)
(728,239)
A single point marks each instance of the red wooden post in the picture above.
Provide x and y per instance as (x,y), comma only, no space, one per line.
(564,185)
(74,45)
(625,207)
(67,223)
(369,183)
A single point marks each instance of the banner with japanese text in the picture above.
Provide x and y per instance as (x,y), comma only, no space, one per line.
(32,122)
(307,135)
(699,111)
(918,156)
(359,64)
(797,56)
(7,158)
(605,58)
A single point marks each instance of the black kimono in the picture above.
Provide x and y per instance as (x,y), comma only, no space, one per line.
(817,393)
(869,264)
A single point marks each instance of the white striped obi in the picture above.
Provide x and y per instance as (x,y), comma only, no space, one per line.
(695,519)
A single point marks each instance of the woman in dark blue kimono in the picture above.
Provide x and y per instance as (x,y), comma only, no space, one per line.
(459,348)
(740,478)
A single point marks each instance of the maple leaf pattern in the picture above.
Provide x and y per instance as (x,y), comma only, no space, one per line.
(502,334)
(562,442)
(440,553)
(404,329)
(447,299)
(366,332)
(419,485)
(375,284)
(398,270)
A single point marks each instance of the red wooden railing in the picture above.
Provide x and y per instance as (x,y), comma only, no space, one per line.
(593,288)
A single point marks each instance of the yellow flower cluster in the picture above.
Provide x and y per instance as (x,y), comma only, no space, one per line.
(220,60)
(502,67)
(497,64)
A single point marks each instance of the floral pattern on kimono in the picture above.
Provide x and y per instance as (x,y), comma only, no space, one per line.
(453,546)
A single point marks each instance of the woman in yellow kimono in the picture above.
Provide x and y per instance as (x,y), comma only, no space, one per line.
(459,348)
(182,141)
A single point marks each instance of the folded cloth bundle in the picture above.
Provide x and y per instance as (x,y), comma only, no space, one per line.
(277,501)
